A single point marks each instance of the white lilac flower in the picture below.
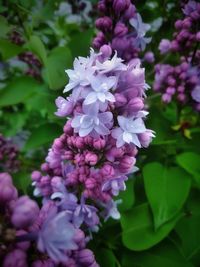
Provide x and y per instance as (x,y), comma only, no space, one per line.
(114,64)
(65,106)
(101,85)
(56,237)
(141,29)
(111,210)
(92,122)
(128,131)
(196,93)
(115,185)
(79,76)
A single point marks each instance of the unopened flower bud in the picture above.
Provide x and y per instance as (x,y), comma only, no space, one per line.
(25,212)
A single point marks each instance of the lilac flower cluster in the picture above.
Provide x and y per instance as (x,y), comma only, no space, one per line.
(34,65)
(8,155)
(182,81)
(122,28)
(38,237)
(96,152)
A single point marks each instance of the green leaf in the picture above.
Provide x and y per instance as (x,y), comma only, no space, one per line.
(22,181)
(164,255)
(190,162)
(8,49)
(18,90)
(161,186)
(42,135)
(128,196)
(188,228)
(80,43)
(138,230)
(4,26)
(105,258)
(58,60)
(37,47)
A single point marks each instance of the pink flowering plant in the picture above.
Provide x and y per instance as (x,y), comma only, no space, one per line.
(97,169)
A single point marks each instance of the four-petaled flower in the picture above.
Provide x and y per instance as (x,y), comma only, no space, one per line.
(79,76)
(85,214)
(56,237)
(92,122)
(128,131)
(141,29)
(114,64)
(101,85)
(115,185)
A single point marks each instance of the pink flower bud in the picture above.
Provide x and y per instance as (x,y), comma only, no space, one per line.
(106,51)
(99,143)
(104,23)
(36,175)
(114,153)
(135,104)
(79,142)
(120,100)
(91,158)
(90,183)
(15,258)
(86,257)
(7,190)
(126,164)
(166,98)
(120,29)
(130,12)
(120,5)
(57,144)
(108,170)
(25,212)
(198,36)
(146,138)
(22,245)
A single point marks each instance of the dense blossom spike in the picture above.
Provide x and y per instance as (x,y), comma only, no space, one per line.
(121,27)
(182,81)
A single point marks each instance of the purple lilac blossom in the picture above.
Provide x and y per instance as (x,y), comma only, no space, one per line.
(120,36)
(56,237)
(182,81)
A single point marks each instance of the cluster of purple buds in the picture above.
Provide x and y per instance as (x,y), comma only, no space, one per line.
(182,81)
(8,155)
(34,65)
(38,237)
(121,28)
(93,157)
(16,38)
(187,33)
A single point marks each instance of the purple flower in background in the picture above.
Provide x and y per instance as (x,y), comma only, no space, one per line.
(128,131)
(101,85)
(164,46)
(196,93)
(65,106)
(115,185)
(56,237)
(190,7)
(141,29)
(92,122)
(114,64)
